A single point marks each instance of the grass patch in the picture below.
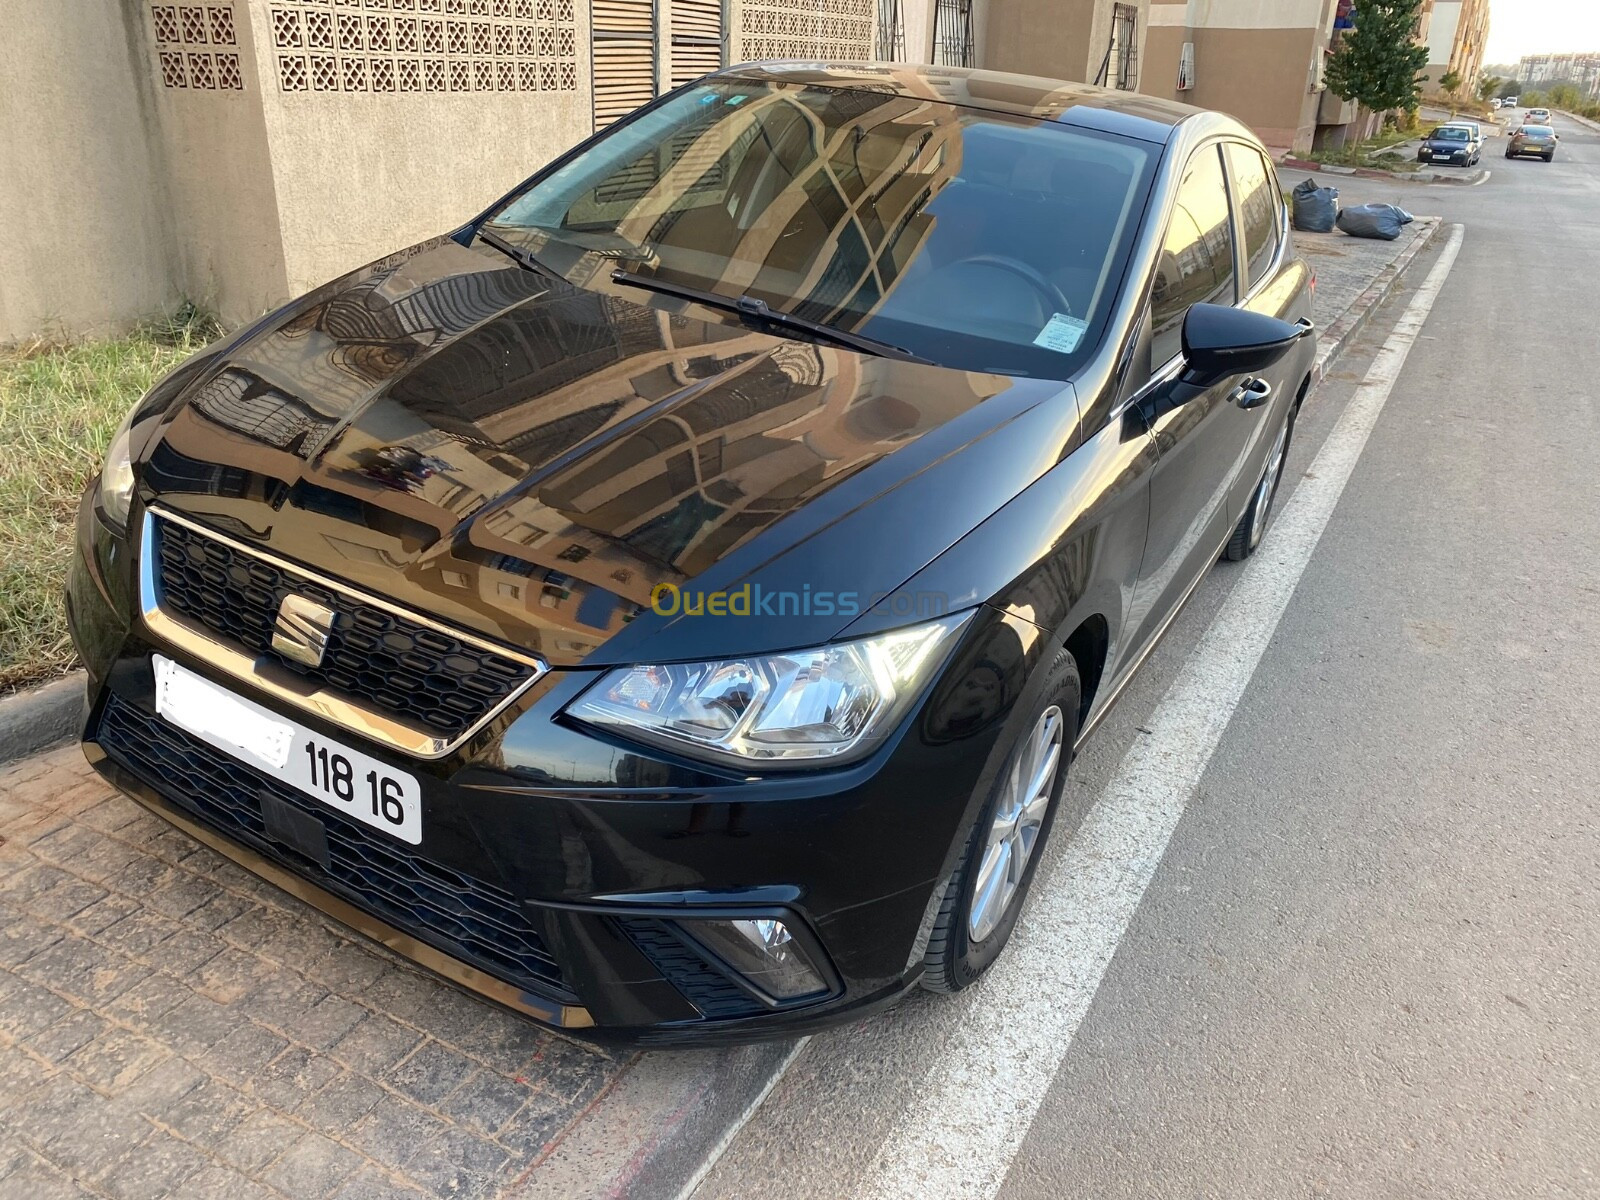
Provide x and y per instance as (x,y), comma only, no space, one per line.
(59,407)
(1375,152)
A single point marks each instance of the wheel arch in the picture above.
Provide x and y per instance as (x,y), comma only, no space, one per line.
(1089,644)
(1300,395)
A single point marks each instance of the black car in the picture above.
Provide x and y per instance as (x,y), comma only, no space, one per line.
(1539,140)
(671,601)
(1451,144)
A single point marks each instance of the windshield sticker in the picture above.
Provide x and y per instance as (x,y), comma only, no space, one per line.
(1062,334)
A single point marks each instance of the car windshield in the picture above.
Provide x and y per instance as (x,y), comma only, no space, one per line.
(968,238)
(1537,131)
(1450,135)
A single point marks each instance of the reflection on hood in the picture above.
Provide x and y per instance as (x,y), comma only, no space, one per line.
(530,457)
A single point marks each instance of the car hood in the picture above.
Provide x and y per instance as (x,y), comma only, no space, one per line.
(531,459)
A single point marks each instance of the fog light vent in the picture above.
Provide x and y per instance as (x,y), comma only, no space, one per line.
(706,987)
(764,952)
(730,967)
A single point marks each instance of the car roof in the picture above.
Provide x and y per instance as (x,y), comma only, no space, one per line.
(1132,114)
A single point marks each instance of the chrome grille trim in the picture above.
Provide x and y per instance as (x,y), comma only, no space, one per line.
(263,675)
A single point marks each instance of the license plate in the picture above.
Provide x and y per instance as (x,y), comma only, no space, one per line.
(338,776)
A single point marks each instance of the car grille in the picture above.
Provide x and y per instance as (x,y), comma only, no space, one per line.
(464,916)
(419,675)
(702,985)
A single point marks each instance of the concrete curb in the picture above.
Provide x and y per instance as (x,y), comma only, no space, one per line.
(659,1127)
(1463,179)
(41,717)
(1337,335)
(1584,121)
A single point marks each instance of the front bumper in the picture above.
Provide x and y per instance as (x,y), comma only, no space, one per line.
(558,866)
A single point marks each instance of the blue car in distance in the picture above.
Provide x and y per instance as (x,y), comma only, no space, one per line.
(1456,144)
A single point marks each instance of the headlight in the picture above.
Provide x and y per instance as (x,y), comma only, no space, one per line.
(116,477)
(802,705)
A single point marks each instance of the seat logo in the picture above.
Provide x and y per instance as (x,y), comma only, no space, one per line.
(302,630)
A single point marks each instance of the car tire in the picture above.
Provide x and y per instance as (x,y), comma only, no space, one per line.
(1252,526)
(966,939)
(1549,158)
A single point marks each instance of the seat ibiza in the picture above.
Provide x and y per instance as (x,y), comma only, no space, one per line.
(670,602)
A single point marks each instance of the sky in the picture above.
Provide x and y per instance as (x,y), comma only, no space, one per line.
(1518,27)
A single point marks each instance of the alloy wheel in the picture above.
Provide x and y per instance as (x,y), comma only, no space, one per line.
(1266,488)
(1018,819)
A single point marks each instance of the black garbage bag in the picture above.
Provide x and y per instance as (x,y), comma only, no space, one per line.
(1374,221)
(1315,208)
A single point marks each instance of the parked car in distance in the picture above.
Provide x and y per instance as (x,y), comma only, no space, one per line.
(671,601)
(1511,101)
(1536,140)
(1456,144)
(1537,116)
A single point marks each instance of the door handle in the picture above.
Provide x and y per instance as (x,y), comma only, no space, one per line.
(1252,393)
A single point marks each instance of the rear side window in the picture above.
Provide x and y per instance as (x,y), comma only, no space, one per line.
(1196,264)
(1260,208)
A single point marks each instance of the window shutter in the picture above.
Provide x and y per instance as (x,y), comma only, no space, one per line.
(624,57)
(696,39)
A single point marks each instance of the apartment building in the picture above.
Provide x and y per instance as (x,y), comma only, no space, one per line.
(1261,60)
(1456,38)
(1582,70)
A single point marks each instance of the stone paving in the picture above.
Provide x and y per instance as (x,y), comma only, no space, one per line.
(172,1026)
(1346,267)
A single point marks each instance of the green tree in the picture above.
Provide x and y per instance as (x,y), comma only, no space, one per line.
(1489,87)
(1564,95)
(1509,88)
(1378,62)
(1448,83)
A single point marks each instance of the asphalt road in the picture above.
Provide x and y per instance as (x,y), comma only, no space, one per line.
(1367,963)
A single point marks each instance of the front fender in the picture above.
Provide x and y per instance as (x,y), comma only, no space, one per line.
(1068,548)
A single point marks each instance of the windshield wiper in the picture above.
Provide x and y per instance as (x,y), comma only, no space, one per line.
(526,259)
(758,310)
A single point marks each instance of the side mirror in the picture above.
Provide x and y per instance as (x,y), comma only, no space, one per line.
(1220,341)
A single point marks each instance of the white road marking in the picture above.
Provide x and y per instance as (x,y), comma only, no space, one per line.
(960,1135)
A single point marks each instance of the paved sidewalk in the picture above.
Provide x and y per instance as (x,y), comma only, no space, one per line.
(170,1025)
(1353,276)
